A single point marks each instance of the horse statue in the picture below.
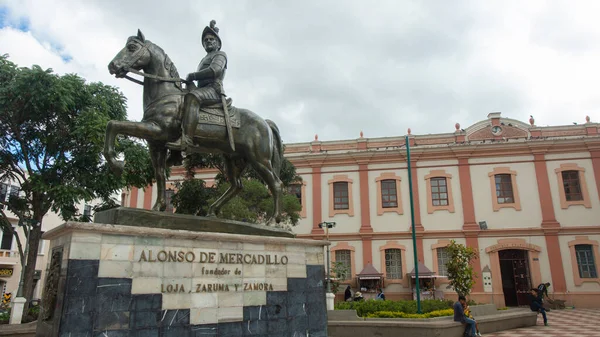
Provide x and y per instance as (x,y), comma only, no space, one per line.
(257,141)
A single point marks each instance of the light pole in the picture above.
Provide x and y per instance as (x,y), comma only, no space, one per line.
(327,225)
(412,219)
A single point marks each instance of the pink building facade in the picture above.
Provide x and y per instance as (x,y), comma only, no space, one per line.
(526,198)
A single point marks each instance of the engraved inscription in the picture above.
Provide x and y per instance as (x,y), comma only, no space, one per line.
(51,286)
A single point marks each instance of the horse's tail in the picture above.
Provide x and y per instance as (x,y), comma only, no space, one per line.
(277,157)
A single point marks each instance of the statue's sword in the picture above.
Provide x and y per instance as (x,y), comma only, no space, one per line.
(226,116)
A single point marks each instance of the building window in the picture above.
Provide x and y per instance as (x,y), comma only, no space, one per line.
(87,213)
(296,190)
(169,200)
(585,261)
(393,264)
(7,239)
(504,189)
(7,191)
(571,185)
(443,257)
(344,258)
(299,191)
(389,195)
(340,194)
(389,198)
(505,192)
(3,193)
(439,191)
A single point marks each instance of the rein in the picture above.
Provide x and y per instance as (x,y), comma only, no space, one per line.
(160,78)
(138,53)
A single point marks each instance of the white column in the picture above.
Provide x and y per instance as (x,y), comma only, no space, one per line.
(329,298)
(16,313)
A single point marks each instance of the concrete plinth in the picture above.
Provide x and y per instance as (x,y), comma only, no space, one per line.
(330,297)
(16,313)
(132,280)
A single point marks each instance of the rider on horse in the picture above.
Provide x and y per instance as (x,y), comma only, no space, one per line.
(209,76)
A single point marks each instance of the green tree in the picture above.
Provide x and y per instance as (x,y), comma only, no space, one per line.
(252,205)
(339,271)
(51,138)
(460,271)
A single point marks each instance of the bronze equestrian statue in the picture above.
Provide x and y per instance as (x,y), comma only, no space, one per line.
(194,119)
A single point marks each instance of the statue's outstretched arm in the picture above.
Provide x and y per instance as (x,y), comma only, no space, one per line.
(215,70)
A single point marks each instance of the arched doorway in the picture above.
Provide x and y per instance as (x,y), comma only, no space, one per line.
(515,266)
(515,275)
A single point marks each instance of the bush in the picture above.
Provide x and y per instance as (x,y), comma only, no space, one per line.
(365,308)
(5,316)
(32,314)
(399,314)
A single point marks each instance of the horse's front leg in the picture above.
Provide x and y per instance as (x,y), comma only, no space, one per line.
(148,131)
(158,155)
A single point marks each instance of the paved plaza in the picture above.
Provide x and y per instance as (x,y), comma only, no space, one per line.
(564,323)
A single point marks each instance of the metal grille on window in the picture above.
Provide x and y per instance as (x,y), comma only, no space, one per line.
(393,263)
(389,195)
(439,192)
(585,261)
(504,189)
(296,189)
(170,194)
(340,195)
(572,185)
(443,258)
(3,193)
(344,258)
(87,212)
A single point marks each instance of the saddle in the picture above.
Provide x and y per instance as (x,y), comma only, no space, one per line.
(214,114)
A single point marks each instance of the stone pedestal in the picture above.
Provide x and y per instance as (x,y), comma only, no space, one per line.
(119,280)
(330,300)
(16,313)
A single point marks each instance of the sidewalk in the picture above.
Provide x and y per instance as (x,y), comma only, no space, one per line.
(563,323)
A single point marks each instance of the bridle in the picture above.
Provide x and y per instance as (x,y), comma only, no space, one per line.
(135,57)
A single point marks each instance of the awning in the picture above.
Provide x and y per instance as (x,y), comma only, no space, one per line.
(369,273)
(423,271)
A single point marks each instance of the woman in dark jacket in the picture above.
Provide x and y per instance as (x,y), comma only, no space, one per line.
(347,294)
(536,304)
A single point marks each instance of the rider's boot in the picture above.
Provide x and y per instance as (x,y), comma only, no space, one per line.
(188,129)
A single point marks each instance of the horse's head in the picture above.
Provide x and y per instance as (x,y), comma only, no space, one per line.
(135,55)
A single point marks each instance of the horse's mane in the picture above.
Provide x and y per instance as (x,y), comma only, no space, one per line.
(168,64)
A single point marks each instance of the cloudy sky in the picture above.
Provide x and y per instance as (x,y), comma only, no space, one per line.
(334,68)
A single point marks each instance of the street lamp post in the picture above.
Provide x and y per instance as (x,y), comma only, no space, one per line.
(327,225)
(412,218)
(329,296)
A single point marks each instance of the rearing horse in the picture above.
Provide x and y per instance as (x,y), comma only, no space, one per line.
(257,141)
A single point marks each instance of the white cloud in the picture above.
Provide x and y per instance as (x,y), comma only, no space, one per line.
(335,68)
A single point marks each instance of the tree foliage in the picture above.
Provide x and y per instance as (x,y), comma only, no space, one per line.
(252,205)
(51,138)
(460,271)
(339,271)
